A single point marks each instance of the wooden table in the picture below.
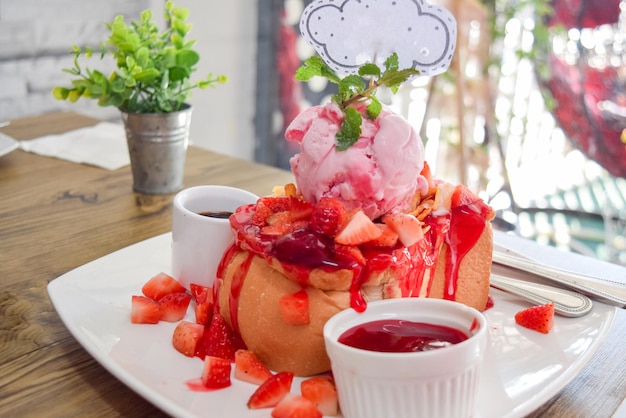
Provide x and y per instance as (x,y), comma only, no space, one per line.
(56,215)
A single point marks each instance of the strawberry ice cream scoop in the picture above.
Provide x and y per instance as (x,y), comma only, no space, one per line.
(380,173)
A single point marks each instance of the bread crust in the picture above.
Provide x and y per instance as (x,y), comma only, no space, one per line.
(300,348)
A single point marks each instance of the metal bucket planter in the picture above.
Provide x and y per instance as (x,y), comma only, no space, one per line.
(157,144)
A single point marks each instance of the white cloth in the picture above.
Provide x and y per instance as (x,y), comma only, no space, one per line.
(102,145)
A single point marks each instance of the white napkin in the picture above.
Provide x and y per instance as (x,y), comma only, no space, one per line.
(102,145)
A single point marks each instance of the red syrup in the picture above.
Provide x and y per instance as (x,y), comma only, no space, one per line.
(303,250)
(401,336)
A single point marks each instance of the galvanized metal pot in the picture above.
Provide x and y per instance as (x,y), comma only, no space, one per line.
(157,144)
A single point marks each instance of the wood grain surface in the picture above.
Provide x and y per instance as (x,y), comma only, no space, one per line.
(56,215)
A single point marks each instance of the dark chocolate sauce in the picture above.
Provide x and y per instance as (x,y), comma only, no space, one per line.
(219,214)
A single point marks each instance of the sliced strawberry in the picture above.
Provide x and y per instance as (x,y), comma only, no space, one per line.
(327,216)
(295,406)
(279,218)
(249,368)
(174,306)
(201,294)
(144,310)
(294,308)
(186,337)
(218,340)
(322,392)
(160,285)
(388,237)
(272,391)
(204,313)
(408,227)
(358,230)
(349,254)
(538,318)
(300,210)
(463,196)
(216,372)
(261,213)
(276,203)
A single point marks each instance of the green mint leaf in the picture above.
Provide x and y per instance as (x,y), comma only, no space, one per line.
(315,66)
(374,108)
(350,129)
(392,63)
(369,70)
(394,78)
(351,85)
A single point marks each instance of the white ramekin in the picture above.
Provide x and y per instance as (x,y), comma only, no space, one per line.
(441,383)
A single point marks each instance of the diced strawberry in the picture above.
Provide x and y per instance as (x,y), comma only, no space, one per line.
(349,253)
(204,313)
(261,213)
(216,372)
(249,368)
(327,216)
(186,337)
(201,293)
(294,308)
(299,210)
(388,237)
(160,285)
(295,406)
(174,306)
(272,391)
(279,218)
(358,230)
(277,229)
(322,392)
(538,318)
(463,196)
(408,227)
(276,203)
(218,340)
(144,310)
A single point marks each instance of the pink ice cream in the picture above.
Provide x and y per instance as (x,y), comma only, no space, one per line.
(380,173)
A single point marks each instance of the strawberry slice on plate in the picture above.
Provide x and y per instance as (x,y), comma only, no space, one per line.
(186,337)
(322,392)
(295,406)
(144,310)
(216,373)
(248,368)
(218,340)
(174,306)
(160,285)
(272,391)
(538,318)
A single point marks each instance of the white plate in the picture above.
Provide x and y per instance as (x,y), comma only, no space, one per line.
(523,369)
(7,144)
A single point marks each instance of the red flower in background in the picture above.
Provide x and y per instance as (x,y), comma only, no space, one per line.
(589,101)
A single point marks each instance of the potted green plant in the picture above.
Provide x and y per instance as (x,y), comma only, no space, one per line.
(150,87)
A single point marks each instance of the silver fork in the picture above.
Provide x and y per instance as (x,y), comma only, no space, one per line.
(566,302)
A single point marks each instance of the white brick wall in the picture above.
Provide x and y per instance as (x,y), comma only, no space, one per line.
(35,39)
(37,35)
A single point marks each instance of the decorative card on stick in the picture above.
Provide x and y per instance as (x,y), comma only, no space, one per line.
(350,33)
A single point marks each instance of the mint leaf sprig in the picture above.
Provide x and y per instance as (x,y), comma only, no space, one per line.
(353,89)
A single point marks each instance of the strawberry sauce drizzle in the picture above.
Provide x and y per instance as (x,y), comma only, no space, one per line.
(235,291)
(303,250)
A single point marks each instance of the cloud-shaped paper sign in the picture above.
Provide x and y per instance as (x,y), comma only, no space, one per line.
(349,33)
